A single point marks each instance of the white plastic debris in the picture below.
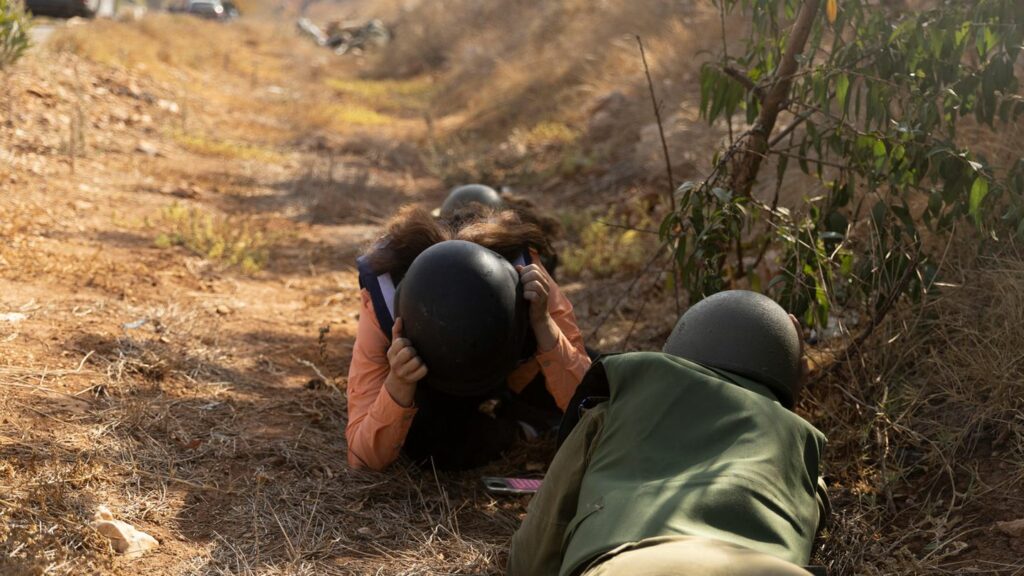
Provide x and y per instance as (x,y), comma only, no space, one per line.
(13,317)
(124,537)
(135,325)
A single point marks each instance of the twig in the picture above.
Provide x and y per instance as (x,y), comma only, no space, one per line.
(636,318)
(312,366)
(668,161)
(809,159)
(800,119)
(626,292)
(625,227)
(744,80)
(189,483)
(661,129)
(725,58)
(876,319)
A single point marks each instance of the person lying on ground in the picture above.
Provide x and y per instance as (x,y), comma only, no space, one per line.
(492,347)
(694,464)
(467,200)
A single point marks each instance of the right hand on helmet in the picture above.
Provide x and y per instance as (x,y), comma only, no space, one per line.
(407,368)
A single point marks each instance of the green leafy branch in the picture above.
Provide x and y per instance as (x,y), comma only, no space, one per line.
(875,100)
(14,33)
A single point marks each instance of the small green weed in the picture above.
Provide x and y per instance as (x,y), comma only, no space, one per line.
(14,32)
(609,245)
(546,134)
(223,239)
(350,114)
(386,94)
(223,148)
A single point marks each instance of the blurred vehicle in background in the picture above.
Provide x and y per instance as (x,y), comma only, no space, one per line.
(63,8)
(209,9)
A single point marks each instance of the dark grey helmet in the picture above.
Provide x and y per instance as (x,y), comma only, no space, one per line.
(745,333)
(462,307)
(463,196)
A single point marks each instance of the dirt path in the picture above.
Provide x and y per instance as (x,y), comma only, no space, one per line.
(177,309)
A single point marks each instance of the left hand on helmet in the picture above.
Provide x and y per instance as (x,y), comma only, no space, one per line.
(536,289)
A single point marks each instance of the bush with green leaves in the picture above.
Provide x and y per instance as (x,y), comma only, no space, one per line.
(14,35)
(873,103)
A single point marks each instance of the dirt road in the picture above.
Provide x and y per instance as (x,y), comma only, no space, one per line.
(178,303)
(42,29)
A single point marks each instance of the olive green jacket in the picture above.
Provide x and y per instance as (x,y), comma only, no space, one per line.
(677,450)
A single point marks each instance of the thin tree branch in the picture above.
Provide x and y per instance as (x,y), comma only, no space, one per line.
(626,227)
(725,58)
(661,128)
(876,319)
(748,164)
(800,119)
(745,81)
(668,160)
(626,292)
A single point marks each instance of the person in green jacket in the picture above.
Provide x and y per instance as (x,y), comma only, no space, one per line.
(695,464)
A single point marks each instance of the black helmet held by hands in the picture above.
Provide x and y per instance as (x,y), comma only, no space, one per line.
(743,332)
(462,196)
(463,310)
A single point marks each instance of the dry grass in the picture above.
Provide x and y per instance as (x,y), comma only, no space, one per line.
(163,46)
(216,424)
(232,241)
(401,96)
(615,243)
(518,106)
(207,146)
(926,443)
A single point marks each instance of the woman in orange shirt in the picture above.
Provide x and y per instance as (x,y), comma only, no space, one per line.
(389,412)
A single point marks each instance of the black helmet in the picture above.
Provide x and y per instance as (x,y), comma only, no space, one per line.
(463,196)
(463,309)
(742,332)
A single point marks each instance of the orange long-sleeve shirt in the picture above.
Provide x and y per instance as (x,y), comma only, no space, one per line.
(377,425)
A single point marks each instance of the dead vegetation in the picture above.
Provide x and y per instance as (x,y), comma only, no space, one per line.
(925,433)
(205,405)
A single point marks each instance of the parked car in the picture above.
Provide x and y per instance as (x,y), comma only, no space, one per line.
(63,8)
(212,9)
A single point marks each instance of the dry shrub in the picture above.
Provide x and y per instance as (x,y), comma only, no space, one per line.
(611,244)
(164,46)
(356,194)
(926,435)
(390,95)
(232,241)
(519,101)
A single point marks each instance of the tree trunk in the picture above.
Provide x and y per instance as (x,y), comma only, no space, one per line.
(748,162)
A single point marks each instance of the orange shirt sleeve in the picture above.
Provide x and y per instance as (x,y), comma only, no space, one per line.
(563,365)
(377,425)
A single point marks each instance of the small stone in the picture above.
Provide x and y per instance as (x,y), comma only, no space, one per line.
(1013,528)
(147,148)
(223,310)
(125,538)
(168,105)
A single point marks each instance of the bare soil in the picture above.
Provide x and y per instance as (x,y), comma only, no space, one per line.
(200,401)
(181,204)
